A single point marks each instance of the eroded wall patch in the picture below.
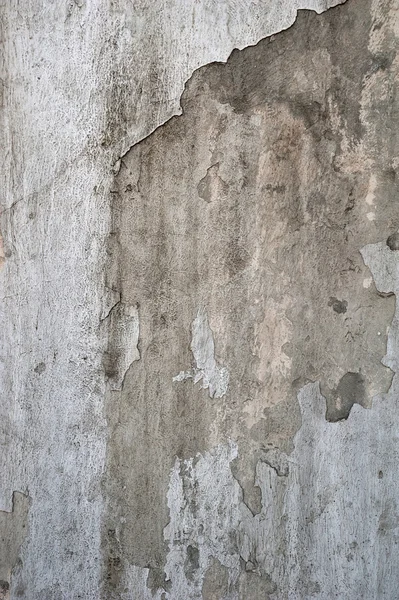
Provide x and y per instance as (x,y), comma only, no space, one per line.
(255,203)
(122,350)
(2,255)
(13,531)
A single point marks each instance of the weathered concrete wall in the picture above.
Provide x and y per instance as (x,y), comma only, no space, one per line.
(199,338)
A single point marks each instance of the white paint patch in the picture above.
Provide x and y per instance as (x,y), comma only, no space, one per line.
(384,265)
(371,216)
(214,377)
(370,197)
(367,282)
(312,538)
(204,502)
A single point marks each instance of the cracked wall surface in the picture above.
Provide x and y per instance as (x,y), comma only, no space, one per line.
(198,349)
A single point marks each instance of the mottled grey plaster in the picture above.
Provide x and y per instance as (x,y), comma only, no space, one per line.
(254,205)
(82,83)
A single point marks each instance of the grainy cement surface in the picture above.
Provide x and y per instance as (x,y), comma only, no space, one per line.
(198,355)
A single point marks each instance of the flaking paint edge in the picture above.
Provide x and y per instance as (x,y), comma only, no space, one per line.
(214,377)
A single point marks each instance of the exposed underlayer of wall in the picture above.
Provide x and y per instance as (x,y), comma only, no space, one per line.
(198,361)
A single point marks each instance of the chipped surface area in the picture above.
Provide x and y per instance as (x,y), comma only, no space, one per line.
(123,338)
(2,255)
(73,101)
(13,532)
(213,377)
(307,540)
(255,204)
(173,40)
(196,532)
(384,264)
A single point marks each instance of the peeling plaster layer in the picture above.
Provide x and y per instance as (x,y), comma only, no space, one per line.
(183,36)
(81,82)
(384,264)
(123,339)
(2,256)
(255,203)
(316,535)
(197,500)
(13,532)
(329,520)
(203,348)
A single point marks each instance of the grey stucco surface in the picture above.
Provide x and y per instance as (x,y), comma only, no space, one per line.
(241,245)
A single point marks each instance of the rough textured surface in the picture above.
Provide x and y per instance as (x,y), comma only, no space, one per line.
(206,368)
(222,251)
(13,530)
(81,82)
(123,337)
(254,205)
